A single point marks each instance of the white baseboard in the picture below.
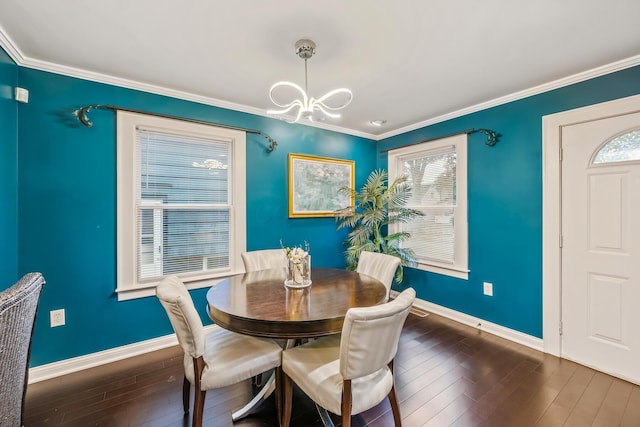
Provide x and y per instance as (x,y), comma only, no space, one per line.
(75,364)
(478,323)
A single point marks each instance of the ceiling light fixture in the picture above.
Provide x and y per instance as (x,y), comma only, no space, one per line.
(378,123)
(309,107)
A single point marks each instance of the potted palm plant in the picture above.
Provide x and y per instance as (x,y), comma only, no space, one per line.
(377,205)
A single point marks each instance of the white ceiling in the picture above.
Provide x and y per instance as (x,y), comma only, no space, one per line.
(409,62)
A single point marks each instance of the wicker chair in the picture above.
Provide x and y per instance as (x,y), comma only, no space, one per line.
(18,307)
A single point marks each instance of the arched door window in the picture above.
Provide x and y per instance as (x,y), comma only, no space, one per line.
(622,148)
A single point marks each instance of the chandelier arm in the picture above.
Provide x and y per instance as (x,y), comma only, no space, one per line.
(290,107)
(305,49)
(300,110)
(286,108)
(325,109)
(298,115)
(291,85)
(321,107)
(331,94)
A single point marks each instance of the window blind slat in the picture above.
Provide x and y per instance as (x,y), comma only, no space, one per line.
(432,177)
(180,178)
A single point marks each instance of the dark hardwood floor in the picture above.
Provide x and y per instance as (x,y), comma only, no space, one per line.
(447,374)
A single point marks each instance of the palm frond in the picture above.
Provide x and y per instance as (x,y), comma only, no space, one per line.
(398,237)
(404,215)
(359,235)
(348,220)
(376,206)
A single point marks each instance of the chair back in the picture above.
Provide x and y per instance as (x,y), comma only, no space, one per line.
(370,335)
(18,309)
(263,259)
(184,318)
(381,266)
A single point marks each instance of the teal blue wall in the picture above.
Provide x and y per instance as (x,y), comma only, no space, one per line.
(67,208)
(65,197)
(8,172)
(505,203)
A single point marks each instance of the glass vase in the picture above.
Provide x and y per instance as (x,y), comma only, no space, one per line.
(298,272)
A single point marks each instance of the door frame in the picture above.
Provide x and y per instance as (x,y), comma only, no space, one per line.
(552,207)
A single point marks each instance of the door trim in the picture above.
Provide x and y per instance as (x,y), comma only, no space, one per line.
(551,207)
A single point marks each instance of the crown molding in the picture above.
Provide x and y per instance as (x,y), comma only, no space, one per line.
(21,60)
(10,47)
(545,87)
(173,93)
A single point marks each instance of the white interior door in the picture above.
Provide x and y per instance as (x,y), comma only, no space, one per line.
(600,279)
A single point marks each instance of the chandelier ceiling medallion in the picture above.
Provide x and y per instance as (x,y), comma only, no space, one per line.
(308,107)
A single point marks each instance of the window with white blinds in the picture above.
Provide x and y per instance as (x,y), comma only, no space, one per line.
(181,201)
(437,173)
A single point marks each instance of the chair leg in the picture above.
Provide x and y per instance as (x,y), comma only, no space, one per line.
(393,400)
(186,392)
(346,403)
(278,393)
(199,394)
(287,394)
(395,408)
(198,407)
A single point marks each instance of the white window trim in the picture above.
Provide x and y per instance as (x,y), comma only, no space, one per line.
(127,286)
(460,269)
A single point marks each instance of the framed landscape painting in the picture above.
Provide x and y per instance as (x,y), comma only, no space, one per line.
(314,183)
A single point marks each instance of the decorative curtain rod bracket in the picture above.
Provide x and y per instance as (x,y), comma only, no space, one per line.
(82,114)
(492,137)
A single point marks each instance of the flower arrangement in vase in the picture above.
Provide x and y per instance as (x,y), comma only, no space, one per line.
(298,266)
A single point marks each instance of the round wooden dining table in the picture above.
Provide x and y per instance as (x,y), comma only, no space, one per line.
(258,303)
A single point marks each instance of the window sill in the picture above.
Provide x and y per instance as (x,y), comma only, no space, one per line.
(446,271)
(149,289)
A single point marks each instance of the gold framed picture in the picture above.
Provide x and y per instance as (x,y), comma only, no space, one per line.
(314,183)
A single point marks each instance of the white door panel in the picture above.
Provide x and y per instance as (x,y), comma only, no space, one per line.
(607,221)
(600,254)
(605,297)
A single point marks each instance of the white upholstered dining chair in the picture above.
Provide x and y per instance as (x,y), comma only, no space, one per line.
(217,359)
(380,266)
(353,372)
(263,259)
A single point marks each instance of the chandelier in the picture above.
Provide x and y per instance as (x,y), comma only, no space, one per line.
(306,105)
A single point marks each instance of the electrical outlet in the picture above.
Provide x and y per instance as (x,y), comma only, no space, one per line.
(22,95)
(488,288)
(57,317)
